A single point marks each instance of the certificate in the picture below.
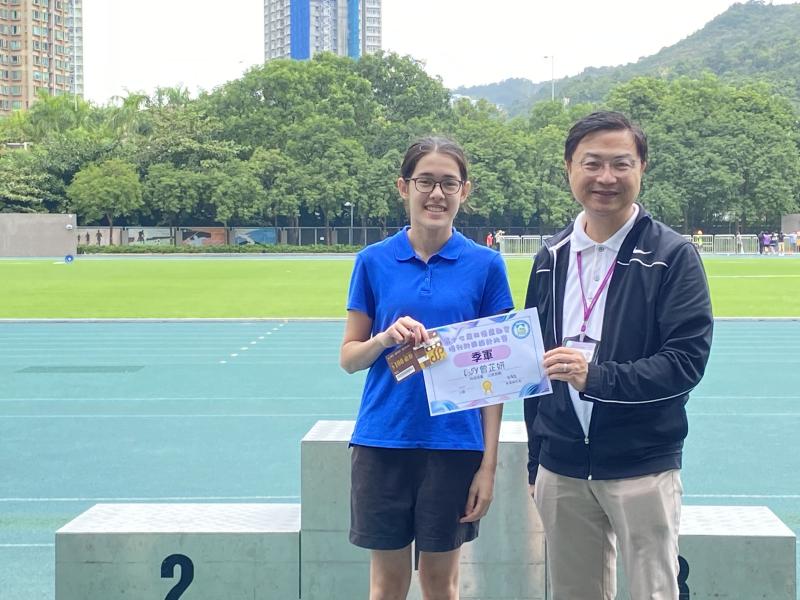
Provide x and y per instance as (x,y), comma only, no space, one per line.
(489,361)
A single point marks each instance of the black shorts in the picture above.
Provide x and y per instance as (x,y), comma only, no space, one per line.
(398,495)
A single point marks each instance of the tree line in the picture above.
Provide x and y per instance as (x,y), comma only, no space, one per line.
(290,142)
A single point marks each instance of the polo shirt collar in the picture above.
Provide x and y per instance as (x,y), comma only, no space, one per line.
(579,241)
(450,251)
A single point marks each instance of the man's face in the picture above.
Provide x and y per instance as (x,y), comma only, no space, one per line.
(605,174)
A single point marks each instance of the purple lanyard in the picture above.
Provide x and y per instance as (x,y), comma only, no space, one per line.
(588,308)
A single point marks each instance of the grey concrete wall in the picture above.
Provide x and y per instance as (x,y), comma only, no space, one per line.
(26,234)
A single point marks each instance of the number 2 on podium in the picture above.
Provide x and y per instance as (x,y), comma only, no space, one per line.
(168,572)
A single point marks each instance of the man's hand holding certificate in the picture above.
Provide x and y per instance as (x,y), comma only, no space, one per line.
(478,363)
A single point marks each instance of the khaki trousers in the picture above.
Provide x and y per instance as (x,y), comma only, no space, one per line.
(583,520)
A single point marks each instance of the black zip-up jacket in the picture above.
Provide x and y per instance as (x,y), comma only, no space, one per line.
(656,339)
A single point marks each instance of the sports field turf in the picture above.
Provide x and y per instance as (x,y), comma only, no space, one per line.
(287,287)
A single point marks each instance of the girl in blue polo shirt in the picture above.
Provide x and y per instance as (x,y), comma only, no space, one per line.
(416,477)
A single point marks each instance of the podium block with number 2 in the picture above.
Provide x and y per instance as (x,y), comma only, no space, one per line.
(180,551)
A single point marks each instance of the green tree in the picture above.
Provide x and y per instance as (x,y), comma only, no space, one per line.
(271,166)
(402,87)
(55,114)
(185,136)
(23,188)
(267,103)
(109,189)
(172,194)
(234,194)
(332,168)
(379,198)
(127,116)
(61,155)
(717,151)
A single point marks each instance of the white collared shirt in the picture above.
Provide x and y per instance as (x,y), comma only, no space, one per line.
(596,260)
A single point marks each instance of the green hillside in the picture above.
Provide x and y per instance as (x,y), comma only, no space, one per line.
(748,41)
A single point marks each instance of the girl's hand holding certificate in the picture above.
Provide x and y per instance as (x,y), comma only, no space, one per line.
(475,363)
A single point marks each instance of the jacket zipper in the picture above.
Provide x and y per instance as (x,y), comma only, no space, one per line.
(586,442)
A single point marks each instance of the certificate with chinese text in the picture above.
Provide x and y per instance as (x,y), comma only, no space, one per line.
(489,361)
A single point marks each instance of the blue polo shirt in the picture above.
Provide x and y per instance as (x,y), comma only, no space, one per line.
(462,281)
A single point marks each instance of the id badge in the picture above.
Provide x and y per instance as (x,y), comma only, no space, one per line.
(587,346)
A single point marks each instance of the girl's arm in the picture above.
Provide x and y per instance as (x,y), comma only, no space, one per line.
(360,348)
(481,492)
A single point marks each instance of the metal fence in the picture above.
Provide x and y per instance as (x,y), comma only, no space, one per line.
(528,245)
(511,245)
(205,235)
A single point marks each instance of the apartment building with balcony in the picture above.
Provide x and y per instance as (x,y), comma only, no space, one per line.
(299,29)
(38,50)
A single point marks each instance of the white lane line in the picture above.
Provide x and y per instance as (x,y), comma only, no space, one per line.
(151,499)
(178,398)
(302,415)
(189,416)
(744,496)
(742,414)
(760,360)
(303,398)
(204,320)
(95,352)
(753,276)
(745,397)
(86,339)
(27,545)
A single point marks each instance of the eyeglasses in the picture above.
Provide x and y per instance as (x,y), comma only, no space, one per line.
(620,167)
(426,185)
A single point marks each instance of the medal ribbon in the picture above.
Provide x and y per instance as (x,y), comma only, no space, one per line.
(588,308)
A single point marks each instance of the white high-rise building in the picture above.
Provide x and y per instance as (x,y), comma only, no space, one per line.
(301,28)
(372,26)
(75,24)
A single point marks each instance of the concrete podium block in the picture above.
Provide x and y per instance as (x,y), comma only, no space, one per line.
(189,551)
(508,558)
(506,561)
(330,566)
(733,552)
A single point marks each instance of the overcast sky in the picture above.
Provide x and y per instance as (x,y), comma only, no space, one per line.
(137,45)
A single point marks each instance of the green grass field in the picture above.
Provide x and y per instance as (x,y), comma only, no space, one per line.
(124,288)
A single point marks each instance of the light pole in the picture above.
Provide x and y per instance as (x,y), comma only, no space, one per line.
(351,206)
(552,77)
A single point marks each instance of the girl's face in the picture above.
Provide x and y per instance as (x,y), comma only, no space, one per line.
(438,207)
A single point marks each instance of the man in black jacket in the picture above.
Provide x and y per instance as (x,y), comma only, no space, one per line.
(626,320)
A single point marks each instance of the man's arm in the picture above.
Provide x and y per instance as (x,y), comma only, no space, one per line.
(534,443)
